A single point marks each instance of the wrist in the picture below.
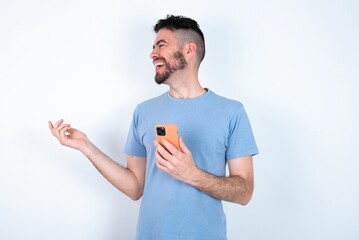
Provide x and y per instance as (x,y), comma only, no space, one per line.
(89,149)
(196,177)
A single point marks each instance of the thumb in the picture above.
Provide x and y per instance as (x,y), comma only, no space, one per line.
(183,147)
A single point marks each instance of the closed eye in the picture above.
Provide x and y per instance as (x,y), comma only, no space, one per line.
(161,43)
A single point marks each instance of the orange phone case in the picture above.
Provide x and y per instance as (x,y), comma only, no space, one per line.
(168,132)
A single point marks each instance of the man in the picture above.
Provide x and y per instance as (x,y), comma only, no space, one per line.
(181,189)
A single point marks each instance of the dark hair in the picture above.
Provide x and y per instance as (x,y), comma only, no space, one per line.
(190,28)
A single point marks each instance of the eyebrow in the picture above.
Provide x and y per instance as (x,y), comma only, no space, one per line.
(158,43)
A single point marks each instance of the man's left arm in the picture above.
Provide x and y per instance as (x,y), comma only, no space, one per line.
(238,187)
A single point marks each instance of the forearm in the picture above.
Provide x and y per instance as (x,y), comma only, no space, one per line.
(119,176)
(233,188)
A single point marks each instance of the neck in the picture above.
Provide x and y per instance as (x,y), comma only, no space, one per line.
(185,85)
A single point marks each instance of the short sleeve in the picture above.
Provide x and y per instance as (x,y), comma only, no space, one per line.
(241,140)
(134,145)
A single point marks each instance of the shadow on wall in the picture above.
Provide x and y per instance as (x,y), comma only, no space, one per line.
(218,69)
(287,177)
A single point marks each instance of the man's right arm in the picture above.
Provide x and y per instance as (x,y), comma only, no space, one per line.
(129,180)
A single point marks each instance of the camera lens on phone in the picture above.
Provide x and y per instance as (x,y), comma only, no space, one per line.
(161,131)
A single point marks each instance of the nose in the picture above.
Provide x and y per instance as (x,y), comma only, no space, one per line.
(154,54)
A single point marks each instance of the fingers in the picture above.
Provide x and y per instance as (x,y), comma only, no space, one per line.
(51,126)
(59,129)
(169,146)
(164,159)
(169,151)
(49,123)
(162,151)
(173,150)
(58,123)
(163,163)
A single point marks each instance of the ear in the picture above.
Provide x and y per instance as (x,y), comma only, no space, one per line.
(190,50)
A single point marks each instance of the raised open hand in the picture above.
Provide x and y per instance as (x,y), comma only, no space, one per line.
(68,136)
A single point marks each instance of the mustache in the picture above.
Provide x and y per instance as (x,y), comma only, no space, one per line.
(159,58)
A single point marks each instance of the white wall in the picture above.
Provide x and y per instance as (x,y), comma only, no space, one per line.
(294,65)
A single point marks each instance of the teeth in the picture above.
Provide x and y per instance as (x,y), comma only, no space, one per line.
(158,64)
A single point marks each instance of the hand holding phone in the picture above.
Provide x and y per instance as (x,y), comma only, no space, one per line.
(168,132)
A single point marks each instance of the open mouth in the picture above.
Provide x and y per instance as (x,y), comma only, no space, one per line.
(158,65)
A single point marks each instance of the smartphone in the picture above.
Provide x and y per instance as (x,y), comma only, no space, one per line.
(168,132)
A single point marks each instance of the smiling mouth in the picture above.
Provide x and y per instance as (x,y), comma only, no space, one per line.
(158,65)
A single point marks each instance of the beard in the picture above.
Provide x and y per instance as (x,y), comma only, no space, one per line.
(179,63)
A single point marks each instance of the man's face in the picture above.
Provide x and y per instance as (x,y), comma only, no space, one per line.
(166,56)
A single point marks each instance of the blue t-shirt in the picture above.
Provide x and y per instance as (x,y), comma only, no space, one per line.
(215,130)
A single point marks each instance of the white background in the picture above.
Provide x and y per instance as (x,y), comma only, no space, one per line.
(293,64)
